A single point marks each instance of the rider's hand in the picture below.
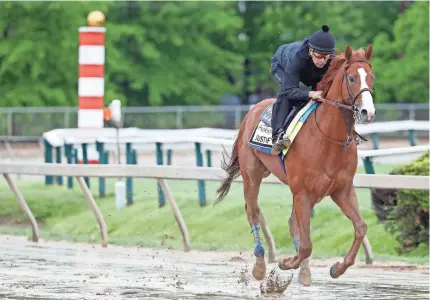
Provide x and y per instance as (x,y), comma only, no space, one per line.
(315,95)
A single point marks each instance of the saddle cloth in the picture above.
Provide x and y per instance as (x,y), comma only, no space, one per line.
(261,138)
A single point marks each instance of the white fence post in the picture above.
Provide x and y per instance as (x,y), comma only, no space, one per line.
(95,209)
(24,206)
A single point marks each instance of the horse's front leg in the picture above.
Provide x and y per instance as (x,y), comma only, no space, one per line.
(302,211)
(347,201)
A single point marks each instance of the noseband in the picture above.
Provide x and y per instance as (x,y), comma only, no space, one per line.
(351,107)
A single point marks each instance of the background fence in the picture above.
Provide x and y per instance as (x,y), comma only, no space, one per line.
(29,123)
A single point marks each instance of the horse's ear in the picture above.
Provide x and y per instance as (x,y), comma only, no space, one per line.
(348,52)
(369,52)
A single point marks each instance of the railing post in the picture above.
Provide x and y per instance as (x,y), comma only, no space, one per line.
(200,183)
(24,206)
(368,165)
(95,209)
(75,156)
(129,180)
(68,149)
(159,153)
(375,140)
(85,161)
(181,223)
(169,157)
(411,134)
(58,161)
(208,158)
(102,161)
(48,159)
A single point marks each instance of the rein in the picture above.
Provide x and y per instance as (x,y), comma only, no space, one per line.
(351,107)
(337,104)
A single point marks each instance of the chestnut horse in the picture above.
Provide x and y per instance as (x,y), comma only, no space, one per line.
(322,160)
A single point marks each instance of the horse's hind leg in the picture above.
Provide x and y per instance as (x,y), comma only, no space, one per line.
(347,201)
(252,178)
(304,273)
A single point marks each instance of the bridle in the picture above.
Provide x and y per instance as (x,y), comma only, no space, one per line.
(351,107)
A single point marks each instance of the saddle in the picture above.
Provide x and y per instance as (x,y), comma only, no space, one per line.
(261,138)
(266,115)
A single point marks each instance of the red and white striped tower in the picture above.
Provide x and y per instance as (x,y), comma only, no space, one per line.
(91,72)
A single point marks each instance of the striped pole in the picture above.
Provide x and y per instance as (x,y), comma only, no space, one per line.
(91,76)
(91,84)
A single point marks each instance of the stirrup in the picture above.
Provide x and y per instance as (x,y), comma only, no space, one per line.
(286,142)
(277,148)
(280,144)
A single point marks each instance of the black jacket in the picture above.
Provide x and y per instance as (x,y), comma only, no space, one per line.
(293,64)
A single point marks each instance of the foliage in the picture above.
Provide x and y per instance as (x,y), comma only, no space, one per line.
(169,54)
(401,63)
(193,52)
(409,218)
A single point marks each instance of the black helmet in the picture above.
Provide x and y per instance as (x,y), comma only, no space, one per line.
(322,41)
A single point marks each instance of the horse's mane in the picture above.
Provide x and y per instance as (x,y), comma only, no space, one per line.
(335,65)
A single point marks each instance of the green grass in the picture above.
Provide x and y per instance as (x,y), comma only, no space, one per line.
(66,215)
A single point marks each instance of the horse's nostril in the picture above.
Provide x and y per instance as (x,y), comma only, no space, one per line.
(364,112)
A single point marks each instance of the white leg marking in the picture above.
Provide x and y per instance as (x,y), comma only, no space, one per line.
(366,97)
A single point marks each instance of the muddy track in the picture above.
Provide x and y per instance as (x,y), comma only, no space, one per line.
(62,270)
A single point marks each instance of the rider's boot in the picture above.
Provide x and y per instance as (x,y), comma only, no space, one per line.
(280,143)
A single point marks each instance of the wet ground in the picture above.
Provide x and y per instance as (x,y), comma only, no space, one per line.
(61,270)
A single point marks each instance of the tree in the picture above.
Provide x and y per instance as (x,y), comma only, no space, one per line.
(401,64)
(38,52)
(168,53)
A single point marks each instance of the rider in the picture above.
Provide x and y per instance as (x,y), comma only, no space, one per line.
(304,61)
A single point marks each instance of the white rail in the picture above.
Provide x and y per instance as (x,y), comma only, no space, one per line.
(394,151)
(190,173)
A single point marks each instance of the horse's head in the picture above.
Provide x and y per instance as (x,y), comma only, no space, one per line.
(357,83)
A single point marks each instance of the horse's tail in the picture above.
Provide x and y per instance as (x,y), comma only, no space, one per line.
(232,167)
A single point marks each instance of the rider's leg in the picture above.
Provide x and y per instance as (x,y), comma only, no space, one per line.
(280,111)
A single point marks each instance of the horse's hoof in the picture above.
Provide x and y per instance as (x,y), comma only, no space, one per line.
(259,269)
(281,264)
(333,270)
(305,276)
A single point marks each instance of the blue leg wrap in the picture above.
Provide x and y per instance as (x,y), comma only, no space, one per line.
(258,249)
(296,241)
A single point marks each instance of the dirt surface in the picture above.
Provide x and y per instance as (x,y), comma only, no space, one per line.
(63,270)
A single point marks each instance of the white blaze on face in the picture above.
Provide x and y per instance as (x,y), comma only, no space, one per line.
(366,97)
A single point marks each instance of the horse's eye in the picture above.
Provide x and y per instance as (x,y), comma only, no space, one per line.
(351,78)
